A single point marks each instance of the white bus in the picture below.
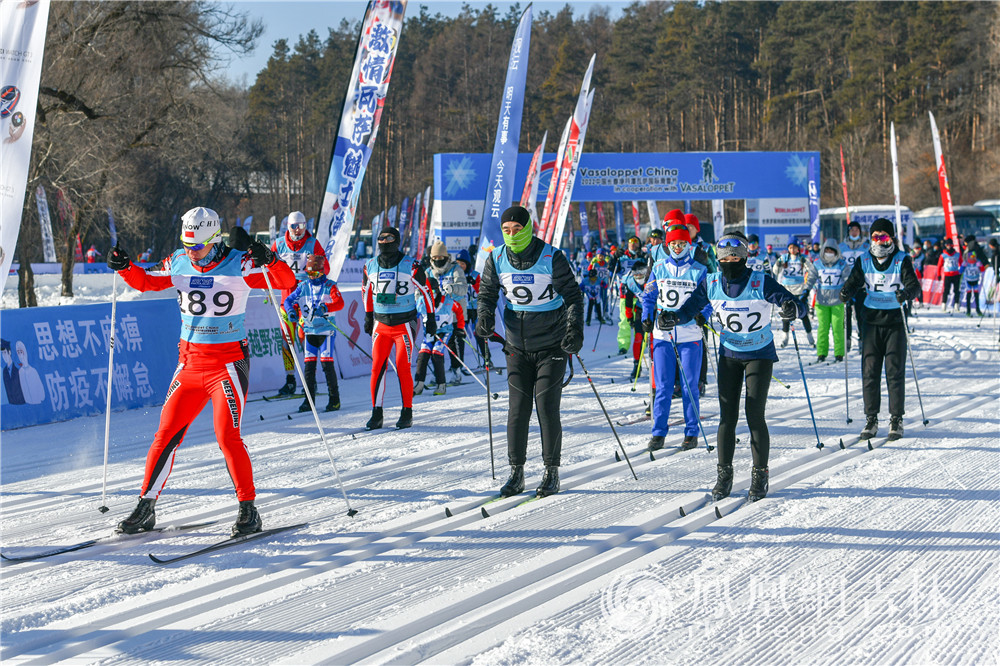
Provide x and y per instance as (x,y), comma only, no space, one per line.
(833,221)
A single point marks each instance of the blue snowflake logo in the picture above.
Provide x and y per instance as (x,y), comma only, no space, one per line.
(797,171)
(458,175)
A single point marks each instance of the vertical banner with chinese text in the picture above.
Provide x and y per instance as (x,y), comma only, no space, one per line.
(359,122)
(571,158)
(500,186)
(813,185)
(584,226)
(22,40)
(950,225)
(45,222)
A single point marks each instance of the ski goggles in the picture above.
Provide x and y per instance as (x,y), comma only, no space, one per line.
(728,243)
(880,237)
(201,246)
(386,237)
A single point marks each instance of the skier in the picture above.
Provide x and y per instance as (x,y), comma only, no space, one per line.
(832,271)
(674,280)
(886,273)
(918,257)
(452,281)
(698,243)
(317,298)
(796,274)
(625,325)
(293,247)
(464,260)
(213,282)
(543,322)
(92,254)
(593,288)
(633,286)
(449,318)
(389,289)
(741,300)
(656,250)
(949,267)
(755,260)
(972,272)
(853,247)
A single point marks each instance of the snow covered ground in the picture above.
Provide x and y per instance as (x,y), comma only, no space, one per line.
(857,555)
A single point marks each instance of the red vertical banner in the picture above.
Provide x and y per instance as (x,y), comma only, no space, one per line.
(843,181)
(602,230)
(635,216)
(950,225)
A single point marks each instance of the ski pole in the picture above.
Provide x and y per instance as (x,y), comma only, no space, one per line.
(690,394)
(913,367)
(606,415)
(642,356)
(489,406)
(243,239)
(847,339)
(819,444)
(598,336)
(107,411)
(455,356)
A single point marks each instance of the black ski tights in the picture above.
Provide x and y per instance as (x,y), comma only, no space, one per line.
(758,380)
(884,345)
(535,377)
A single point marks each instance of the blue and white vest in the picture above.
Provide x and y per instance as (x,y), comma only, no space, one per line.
(745,319)
(951,262)
(758,262)
(314,301)
(674,285)
(296,259)
(444,315)
(830,277)
(882,285)
(793,270)
(851,255)
(393,289)
(529,290)
(214,303)
(971,272)
(473,296)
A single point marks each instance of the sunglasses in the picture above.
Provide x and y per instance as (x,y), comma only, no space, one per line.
(386,237)
(881,238)
(728,242)
(200,246)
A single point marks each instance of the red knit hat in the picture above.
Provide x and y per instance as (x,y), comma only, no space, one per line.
(691,218)
(677,232)
(675,214)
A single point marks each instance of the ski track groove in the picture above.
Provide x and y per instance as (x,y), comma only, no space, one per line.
(354,608)
(307,586)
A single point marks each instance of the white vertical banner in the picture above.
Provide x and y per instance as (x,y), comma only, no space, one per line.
(654,216)
(719,216)
(272,228)
(573,151)
(546,219)
(359,122)
(895,184)
(45,222)
(22,40)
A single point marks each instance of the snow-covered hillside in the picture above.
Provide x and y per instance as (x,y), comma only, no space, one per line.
(872,555)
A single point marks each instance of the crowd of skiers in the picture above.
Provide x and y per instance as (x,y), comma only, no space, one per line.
(674,293)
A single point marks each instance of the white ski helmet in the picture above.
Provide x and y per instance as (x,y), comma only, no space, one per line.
(297,224)
(200,227)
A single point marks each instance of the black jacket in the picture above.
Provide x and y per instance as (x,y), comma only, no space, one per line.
(856,283)
(531,331)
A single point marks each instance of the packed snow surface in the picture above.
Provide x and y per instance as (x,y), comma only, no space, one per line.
(858,555)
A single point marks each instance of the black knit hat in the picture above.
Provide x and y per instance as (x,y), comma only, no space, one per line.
(389,230)
(883,225)
(517,214)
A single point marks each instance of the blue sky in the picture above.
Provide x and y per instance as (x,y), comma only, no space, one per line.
(292,18)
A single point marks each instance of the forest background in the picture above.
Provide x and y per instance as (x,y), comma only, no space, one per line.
(136,115)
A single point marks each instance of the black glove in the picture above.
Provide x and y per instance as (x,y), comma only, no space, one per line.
(118,259)
(459,333)
(431,326)
(667,320)
(900,296)
(572,342)
(369,322)
(700,319)
(788,311)
(844,296)
(647,325)
(484,327)
(239,239)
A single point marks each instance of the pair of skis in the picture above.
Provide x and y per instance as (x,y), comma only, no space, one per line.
(219,545)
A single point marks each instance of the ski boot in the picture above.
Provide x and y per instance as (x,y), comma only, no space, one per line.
(405,418)
(784,339)
(895,428)
(655,443)
(332,389)
(690,442)
(418,388)
(375,422)
(304,407)
(289,387)
(332,405)
(635,371)
(838,359)
(248,520)
(515,483)
(456,377)
(441,389)
(465,371)
(724,483)
(550,482)
(143,518)
(871,427)
(809,339)
(758,484)
(820,359)
(622,351)
(702,387)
